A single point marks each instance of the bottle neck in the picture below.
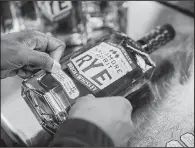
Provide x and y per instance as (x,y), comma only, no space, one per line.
(157,38)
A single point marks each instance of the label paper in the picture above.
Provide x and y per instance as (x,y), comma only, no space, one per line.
(100,66)
(67,83)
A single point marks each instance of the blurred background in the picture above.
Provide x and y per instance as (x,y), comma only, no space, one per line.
(70,21)
(75,21)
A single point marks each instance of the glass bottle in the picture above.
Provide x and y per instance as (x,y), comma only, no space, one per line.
(101,14)
(7,21)
(65,20)
(27,15)
(111,66)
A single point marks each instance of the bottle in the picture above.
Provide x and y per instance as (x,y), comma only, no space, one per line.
(27,15)
(65,20)
(111,66)
(7,21)
(105,14)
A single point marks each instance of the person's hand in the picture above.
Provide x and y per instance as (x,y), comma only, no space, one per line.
(24,52)
(111,114)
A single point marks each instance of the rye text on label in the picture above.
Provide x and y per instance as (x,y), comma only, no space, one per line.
(101,65)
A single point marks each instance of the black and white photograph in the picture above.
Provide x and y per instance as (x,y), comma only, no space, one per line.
(97,73)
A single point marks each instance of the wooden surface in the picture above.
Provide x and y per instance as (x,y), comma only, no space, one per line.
(163,109)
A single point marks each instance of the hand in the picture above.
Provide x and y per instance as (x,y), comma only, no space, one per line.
(29,50)
(111,114)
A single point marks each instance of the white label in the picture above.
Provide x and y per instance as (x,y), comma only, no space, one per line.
(173,144)
(67,83)
(102,65)
(188,140)
(55,10)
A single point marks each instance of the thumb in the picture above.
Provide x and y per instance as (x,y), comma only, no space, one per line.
(42,60)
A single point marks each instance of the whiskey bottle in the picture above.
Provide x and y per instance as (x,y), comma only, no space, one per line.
(111,66)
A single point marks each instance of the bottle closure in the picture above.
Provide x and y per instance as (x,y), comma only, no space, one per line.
(158,37)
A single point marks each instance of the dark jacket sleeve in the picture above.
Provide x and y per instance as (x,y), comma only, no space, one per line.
(2,143)
(80,133)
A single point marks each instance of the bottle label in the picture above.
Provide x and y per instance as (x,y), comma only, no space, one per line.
(67,84)
(55,10)
(100,66)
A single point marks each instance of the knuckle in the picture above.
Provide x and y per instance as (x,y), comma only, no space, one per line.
(124,102)
(61,47)
(45,60)
(61,43)
(128,104)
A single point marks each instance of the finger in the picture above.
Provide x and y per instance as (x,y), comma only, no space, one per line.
(89,96)
(32,68)
(55,48)
(43,42)
(120,104)
(8,73)
(42,60)
(123,103)
(24,74)
(83,100)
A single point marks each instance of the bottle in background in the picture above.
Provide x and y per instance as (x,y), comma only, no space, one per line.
(27,15)
(65,20)
(123,10)
(109,14)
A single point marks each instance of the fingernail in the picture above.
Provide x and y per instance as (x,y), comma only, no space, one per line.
(56,67)
(49,34)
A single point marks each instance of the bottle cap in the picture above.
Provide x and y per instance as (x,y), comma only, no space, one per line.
(158,37)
